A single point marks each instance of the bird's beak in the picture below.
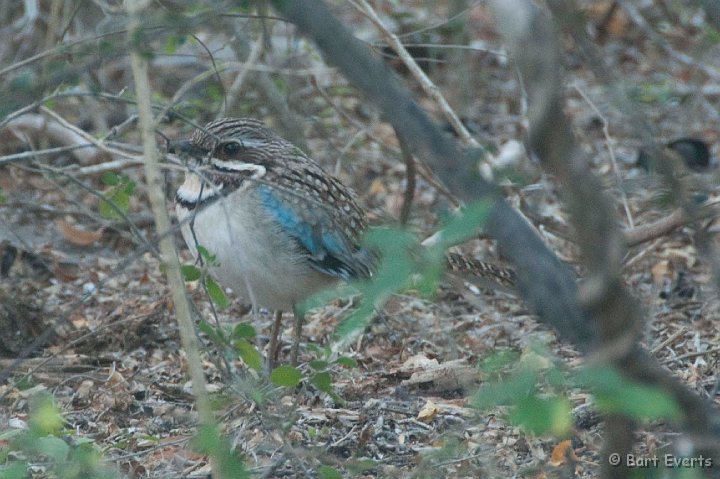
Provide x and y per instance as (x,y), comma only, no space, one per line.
(185,148)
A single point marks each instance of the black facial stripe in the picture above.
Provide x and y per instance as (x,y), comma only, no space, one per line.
(191,205)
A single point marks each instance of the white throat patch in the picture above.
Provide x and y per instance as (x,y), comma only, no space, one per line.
(192,188)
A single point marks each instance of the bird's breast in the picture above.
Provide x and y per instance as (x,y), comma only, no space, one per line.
(255,258)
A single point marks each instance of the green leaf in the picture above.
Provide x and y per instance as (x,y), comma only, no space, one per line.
(314,348)
(190,272)
(542,416)
(327,472)
(45,418)
(499,360)
(361,465)
(396,266)
(209,441)
(52,446)
(322,381)
(318,364)
(356,321)
(244,330)
(173,42)
(129,188)
(217,295)
(3,199)
(215,334)
(110,178)
(507,392)
(465,225)
(347,362)
(614,393)
(249,354)
(210,259)
(114,206)
(286,376)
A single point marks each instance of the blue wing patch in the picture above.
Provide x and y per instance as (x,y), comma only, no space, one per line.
(328,251)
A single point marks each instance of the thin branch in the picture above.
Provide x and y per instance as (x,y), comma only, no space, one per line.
(410,178)
(234,90)
(154,179)
(611,153)
(430,89)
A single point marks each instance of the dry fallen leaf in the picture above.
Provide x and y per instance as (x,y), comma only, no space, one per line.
(560,452)
(428,412)
(77,236)
(660,271)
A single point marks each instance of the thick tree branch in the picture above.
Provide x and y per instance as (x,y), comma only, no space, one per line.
(545,282)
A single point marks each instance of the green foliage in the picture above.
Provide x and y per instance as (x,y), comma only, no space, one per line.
(3,199)
(615,394)
(543,415)
(173,42)
(323,381)
(249,354)
(535,391)
(210,259)
(244,330)
(405,263)
(286,376)
(116,200)
(209,441)
(45,442)
(327,472)
(712,36)
(347,362)
(360,466)
(464,226)
(216,335)
(141,44)
(190,272)
(217,295)
(46,418)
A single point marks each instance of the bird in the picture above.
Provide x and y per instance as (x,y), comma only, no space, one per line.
(280,227)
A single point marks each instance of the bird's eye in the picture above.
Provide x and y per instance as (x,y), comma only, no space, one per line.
(231,148)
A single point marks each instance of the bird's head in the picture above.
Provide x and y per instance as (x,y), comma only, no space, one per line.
(227,152)
(230,144)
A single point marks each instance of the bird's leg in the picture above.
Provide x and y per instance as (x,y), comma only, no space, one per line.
(273,348)
(299,317)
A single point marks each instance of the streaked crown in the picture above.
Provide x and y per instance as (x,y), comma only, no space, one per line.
(242,139)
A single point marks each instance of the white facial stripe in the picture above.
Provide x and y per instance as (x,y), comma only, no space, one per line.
(252,143)
(258,171)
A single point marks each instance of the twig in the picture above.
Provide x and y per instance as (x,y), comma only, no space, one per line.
(118,130)
(268,473)
(676,219)
(611,152)
(691,355)
(427,85)
(234,90)
(418,166)
(83,134)
(669,340)
(33,154)
(115,208)
(154,179)
(410,178)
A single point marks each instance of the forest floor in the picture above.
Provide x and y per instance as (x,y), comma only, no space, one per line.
(118,372)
